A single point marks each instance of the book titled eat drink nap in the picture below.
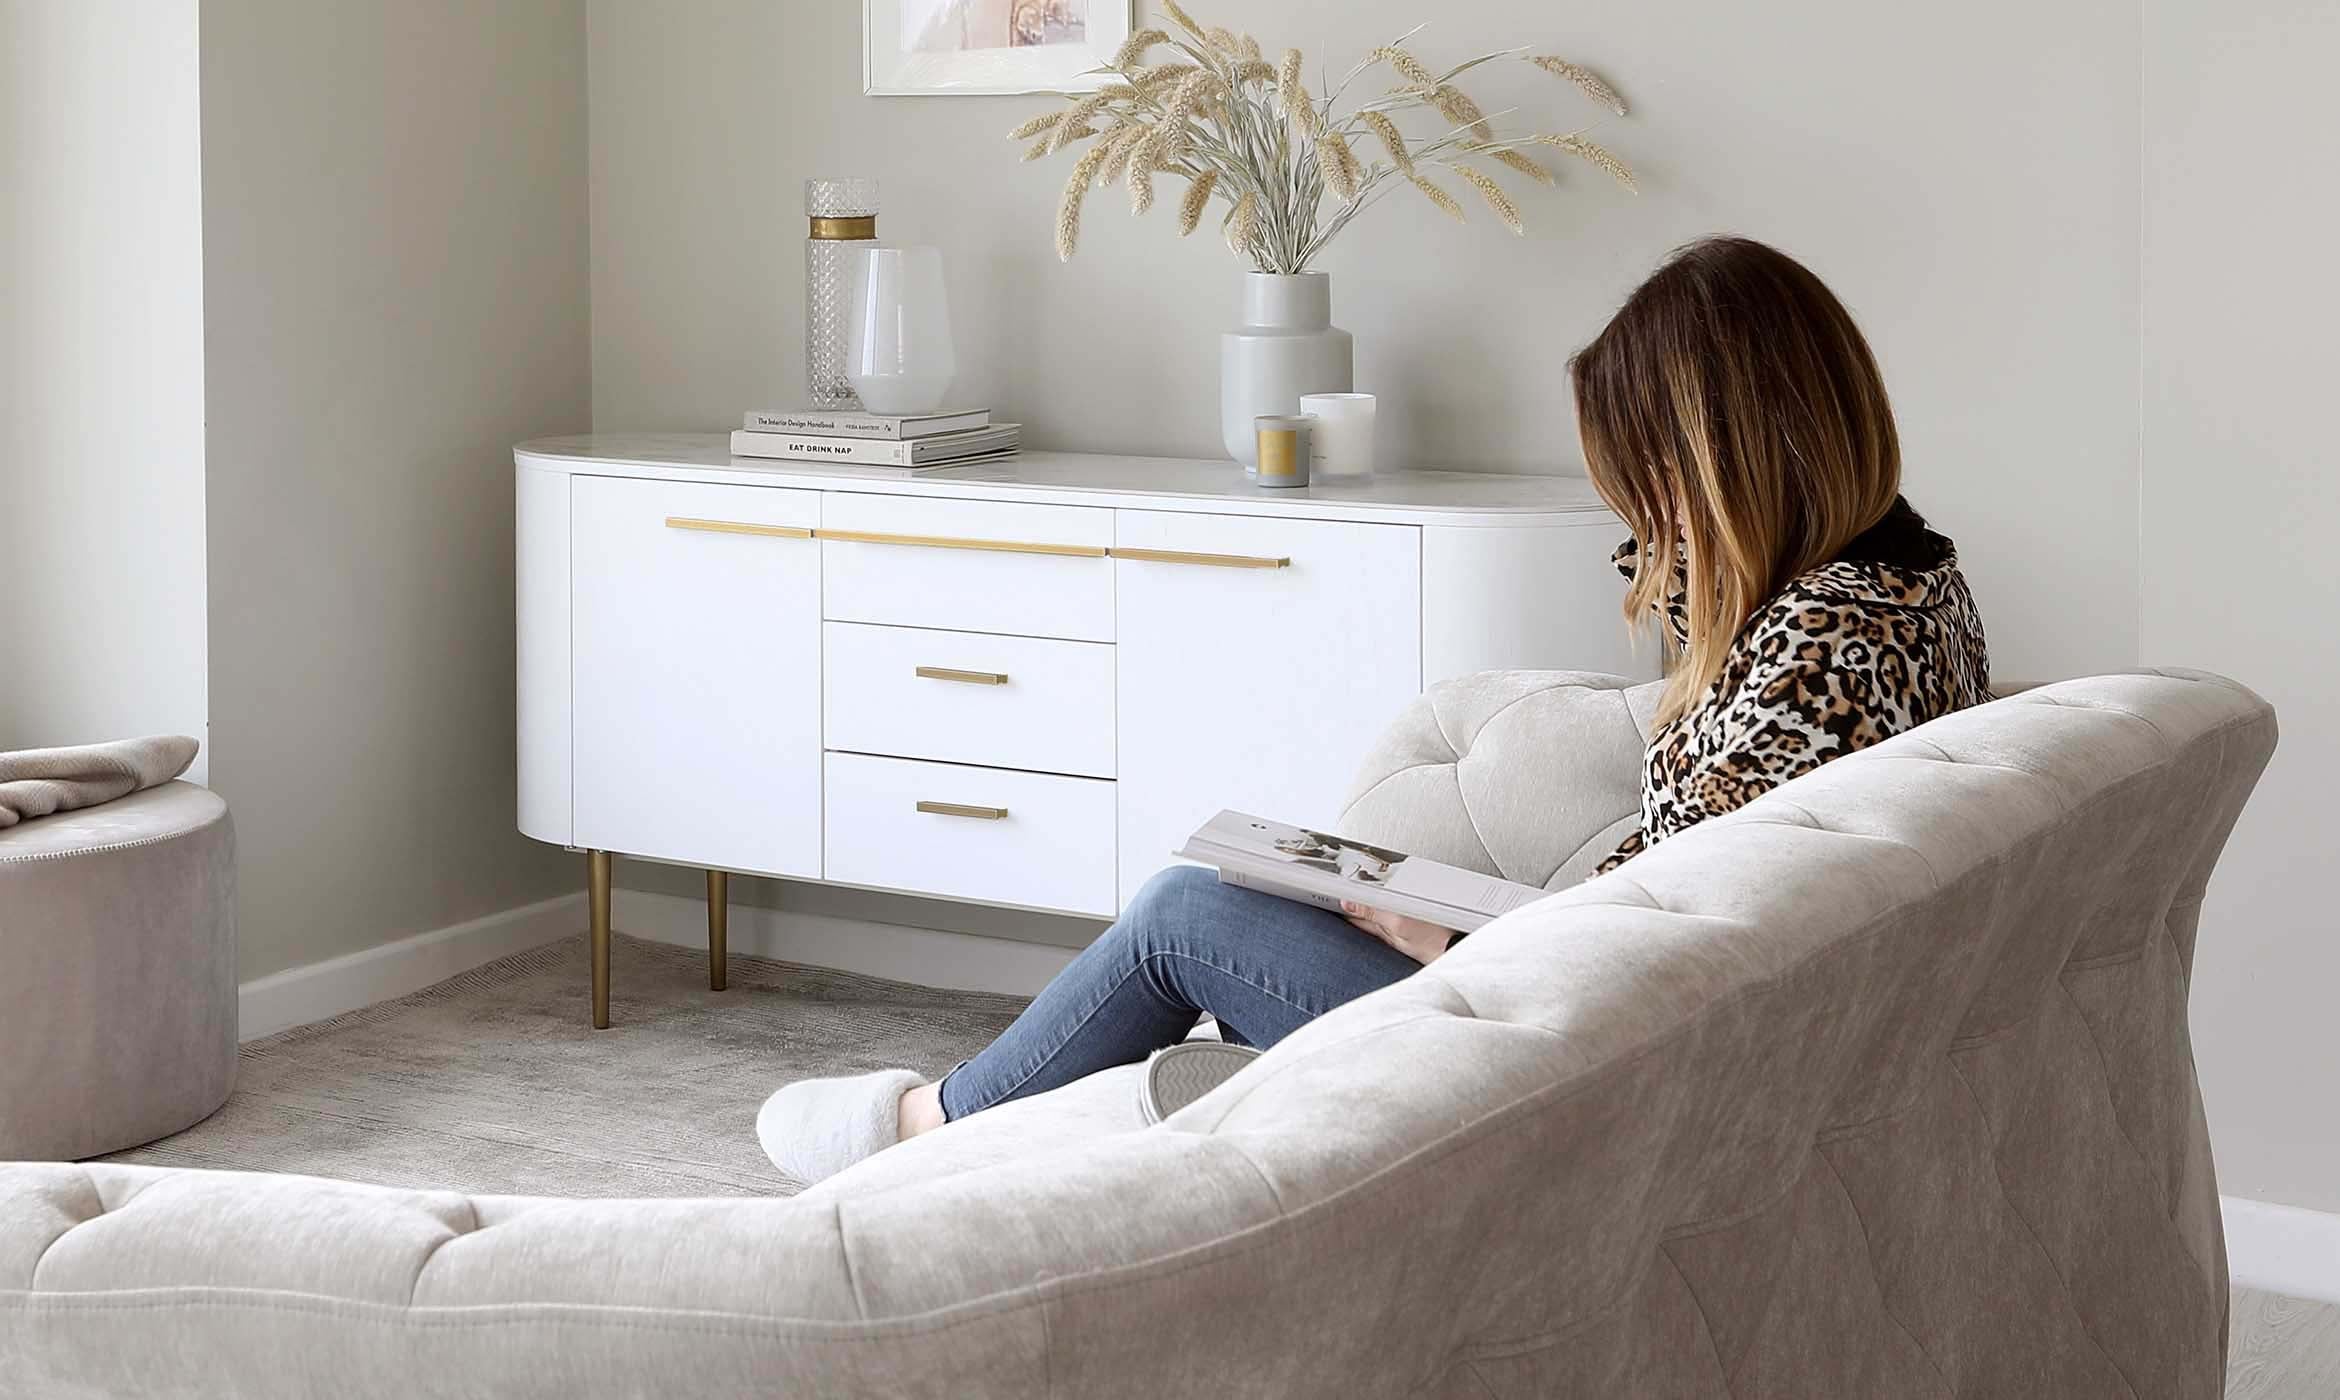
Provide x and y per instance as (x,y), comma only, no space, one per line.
(883,427)
(951,449)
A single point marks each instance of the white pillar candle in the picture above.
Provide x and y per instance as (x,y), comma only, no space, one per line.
(1341,444)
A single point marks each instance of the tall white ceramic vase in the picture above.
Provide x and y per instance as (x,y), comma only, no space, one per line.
(1287,346)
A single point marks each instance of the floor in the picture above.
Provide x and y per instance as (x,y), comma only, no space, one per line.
(2281,1348)
(492,1082)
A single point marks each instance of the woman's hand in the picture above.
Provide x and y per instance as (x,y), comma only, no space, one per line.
(1418,939)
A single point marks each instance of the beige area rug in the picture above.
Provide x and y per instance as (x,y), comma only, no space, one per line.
(493,1083)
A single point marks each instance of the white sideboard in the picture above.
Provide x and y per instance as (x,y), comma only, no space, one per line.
(1021,683)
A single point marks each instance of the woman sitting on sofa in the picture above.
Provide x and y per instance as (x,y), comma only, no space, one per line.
(1732,414)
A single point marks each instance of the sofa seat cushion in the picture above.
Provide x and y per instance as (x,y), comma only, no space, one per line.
(1041,1127)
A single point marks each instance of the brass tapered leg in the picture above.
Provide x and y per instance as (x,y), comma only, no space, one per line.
(597,926)
(718,929)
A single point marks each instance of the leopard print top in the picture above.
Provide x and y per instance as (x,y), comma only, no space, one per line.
(1877,641)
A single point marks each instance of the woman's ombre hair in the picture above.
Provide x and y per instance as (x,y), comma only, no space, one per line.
(1732,407)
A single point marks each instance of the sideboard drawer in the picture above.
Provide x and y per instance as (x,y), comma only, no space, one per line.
(970,566)
(1033,839)
(969,697)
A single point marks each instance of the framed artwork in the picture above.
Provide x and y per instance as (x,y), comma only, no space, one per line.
(926,47)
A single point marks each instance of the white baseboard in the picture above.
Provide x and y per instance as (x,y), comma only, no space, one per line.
(2282,1249)
(929,957)
(299,995)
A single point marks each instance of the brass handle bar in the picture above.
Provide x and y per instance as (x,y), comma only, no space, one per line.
(738,527)
(1071,551)
(1075,551)
(945,673)
(1215,561)
(961,809)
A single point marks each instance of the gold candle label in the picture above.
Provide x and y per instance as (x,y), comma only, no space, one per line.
(1279,452)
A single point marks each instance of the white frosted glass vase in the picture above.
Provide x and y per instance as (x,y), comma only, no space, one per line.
(1287,346)
(898,349)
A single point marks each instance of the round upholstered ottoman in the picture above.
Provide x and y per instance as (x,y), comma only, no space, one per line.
(117,973)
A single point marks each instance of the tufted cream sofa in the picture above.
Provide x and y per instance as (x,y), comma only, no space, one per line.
(1880,1087)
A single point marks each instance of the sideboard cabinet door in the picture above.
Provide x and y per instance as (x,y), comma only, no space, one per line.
(1256,688)
(697,673)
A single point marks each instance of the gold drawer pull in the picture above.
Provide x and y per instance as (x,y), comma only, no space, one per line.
(1215,561)
(945,673)
(961,809)
(1075,551)
(738,527)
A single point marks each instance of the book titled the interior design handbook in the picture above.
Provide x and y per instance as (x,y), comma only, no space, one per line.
(1318,868)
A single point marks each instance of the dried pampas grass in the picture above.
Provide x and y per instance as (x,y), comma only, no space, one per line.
(1068,213)
(1148,79)
(1586,151)
(1493,193)
(1188,96)
(1406,66)
(1290,166)
(1134,47)
(1338,164)
(1198,198)
(1456,106)
(1044,122)
(1437,196)
(1243,223)
(1392,139)
(1592,83)
(1076,117)
(1526,165)
(1119,144)
(1293,97)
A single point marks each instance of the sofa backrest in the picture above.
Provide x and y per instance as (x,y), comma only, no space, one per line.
(1879,1086)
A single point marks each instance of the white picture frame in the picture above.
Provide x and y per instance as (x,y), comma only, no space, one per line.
(892,67)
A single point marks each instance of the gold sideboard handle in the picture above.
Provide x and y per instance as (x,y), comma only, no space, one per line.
(738,527)
(961,809)
(1074,551)
(945,673)
(1215,561)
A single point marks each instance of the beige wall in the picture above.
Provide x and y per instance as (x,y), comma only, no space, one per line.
(1966,176)
(2240,523)
(101,373)
(395,267)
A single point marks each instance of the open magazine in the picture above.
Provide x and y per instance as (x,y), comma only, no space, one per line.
(1318,868)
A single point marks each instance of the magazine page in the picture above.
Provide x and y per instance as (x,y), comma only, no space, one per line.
(1322,869)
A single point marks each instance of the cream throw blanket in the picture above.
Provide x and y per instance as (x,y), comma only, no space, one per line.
(37,782)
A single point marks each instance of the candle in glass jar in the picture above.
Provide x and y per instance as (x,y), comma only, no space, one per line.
(1283,448)
(1341,444)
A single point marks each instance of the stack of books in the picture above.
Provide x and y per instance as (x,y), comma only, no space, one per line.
(913,442)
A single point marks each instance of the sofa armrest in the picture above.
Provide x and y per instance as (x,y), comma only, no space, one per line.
(1534,776)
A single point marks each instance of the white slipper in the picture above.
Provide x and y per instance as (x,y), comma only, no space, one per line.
(1185,1072)
(817,1128)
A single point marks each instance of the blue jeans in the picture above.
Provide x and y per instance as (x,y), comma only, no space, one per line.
(1187,945)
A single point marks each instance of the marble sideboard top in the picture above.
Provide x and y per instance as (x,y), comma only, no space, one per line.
(1098,479)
